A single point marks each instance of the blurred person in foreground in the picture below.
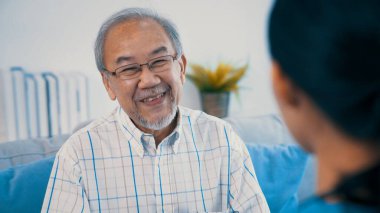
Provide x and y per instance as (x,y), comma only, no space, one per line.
(326,79)
(149,154)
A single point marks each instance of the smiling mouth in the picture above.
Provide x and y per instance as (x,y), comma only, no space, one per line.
(150,99)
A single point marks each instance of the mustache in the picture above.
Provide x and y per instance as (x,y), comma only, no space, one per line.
(151,92)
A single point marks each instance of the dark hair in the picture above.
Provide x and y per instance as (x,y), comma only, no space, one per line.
(331,50)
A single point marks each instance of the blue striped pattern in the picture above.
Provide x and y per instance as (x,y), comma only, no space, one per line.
(119,168)
(228,169)
(93,163)
(80,181)
(199,164)
(52,188)
(134,177)
(162,195)
(246,168)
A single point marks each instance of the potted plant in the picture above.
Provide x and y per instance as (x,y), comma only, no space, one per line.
(216,85)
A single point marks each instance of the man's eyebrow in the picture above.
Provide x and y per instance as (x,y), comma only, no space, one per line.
(153,53)
(123,58)
(158,50)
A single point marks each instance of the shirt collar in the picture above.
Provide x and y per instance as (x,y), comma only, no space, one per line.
(135,135)
(174,137)
(129,129)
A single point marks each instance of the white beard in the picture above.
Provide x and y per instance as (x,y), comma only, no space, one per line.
(160,123)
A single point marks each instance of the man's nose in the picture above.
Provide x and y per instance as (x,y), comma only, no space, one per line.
(148,78)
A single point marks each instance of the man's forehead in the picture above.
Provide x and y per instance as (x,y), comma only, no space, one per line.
(137,36)
(131,30)
(137,24)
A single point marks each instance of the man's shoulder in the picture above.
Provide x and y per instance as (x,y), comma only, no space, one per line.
(98,126)
(99,123)
(200,116)
(207,124)
(88,136)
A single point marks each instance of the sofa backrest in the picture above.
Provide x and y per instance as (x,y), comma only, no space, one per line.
(15,153)
(264,129)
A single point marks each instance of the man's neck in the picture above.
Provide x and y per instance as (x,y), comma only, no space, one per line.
(161,134)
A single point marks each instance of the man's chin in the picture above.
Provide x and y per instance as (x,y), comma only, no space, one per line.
(156,122)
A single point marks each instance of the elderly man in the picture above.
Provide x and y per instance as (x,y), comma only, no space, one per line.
(149,154)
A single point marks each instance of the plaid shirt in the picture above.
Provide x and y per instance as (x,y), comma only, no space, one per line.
(110,166)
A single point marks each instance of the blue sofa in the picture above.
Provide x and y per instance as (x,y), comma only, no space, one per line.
(279,163)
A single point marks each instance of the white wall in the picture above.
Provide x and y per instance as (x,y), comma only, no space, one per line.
(3,127)
(59,36)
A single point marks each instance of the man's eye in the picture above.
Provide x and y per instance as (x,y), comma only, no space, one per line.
(159,62)
(126,70)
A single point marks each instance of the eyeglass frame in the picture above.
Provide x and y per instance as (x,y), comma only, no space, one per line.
(115,74)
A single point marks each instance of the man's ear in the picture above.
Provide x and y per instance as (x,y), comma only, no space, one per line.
(182,63)
(107,85)
(286,92)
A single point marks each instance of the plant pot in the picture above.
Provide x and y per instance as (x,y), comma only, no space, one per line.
(215,104)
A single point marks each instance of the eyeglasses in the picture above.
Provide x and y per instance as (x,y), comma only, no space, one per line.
(156,65)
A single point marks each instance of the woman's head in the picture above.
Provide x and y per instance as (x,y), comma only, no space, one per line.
(328,53)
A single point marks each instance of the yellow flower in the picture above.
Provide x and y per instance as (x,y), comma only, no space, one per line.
(224,78)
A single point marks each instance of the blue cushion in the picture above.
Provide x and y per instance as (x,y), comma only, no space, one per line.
(279,170)
(23,187)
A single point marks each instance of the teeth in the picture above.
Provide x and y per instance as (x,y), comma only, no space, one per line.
(153,98)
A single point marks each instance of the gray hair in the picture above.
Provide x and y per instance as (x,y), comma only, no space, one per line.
(134,14)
